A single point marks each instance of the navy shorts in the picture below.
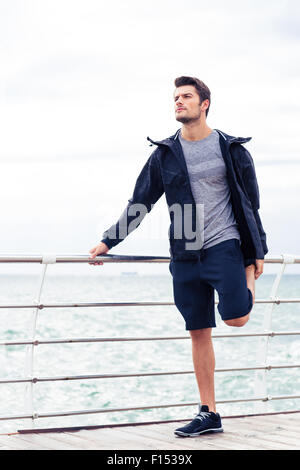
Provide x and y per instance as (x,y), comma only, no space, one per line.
(219,267)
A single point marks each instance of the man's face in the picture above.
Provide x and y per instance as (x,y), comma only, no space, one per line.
(187,104)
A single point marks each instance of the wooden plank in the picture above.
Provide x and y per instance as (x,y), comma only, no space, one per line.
(248,433)
(207,441)
(227,440)
(166,438)
(284,428)
(43,441)
(293,416)
(14,442)
(99,442)
(128,435)
(287,439)
(88,442)
(280,417)
(247,427)
(103,439)
(167,435)
(135,441)
(71,439)
(284,431)
(237,440)
(266,434)
(108,439)
(280,422)
(3,441)
(222,441)
(266,422)
(103,442)
(258,442)
(140,438)
(217,441)
(251,432)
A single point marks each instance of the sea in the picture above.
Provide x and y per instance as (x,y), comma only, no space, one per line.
(77,359)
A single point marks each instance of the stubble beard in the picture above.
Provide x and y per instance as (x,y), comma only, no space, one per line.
(187,119)
(184,120)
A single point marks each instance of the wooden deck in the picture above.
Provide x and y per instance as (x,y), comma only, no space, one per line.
(269,432)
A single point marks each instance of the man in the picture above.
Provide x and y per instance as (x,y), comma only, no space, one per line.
(217,241)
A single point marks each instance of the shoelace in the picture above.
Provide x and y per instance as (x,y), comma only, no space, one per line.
(202,415)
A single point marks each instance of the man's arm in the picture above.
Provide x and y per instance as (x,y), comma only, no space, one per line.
(251,186)
(148,189)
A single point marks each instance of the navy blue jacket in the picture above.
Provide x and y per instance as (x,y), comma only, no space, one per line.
(165,172)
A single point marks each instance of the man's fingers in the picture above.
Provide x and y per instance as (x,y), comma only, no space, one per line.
(259,268)
(94,252)
(93,256)
(98,250)
(96,262)
(258,272)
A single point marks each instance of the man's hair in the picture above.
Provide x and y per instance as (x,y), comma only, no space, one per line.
(202,90)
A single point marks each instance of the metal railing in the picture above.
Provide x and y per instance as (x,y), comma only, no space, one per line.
(261,370)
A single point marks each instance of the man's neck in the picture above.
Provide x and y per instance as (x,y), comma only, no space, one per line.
(195,131)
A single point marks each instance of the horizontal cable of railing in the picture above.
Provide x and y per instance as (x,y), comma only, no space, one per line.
(139,374)
(140,408)
(37,342)
(128,304)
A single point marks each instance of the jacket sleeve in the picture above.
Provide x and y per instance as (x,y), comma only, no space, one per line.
(251,186)
(148,189)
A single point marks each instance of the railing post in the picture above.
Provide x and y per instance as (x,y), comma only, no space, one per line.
(29,360)
(261,377)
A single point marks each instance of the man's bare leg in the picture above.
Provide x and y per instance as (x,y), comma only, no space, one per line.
(204,365)
(203,351)
(250,277)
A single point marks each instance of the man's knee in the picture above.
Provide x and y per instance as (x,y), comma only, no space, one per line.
(240,321)
(203,334)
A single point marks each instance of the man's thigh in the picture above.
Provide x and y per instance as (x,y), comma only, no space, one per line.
(193,298)
(227,275)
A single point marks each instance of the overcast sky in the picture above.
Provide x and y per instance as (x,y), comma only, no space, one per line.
(83,83)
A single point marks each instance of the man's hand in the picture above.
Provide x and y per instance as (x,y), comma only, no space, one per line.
(259,268)
(98,250)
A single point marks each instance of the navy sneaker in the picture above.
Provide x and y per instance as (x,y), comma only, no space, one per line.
(205,421)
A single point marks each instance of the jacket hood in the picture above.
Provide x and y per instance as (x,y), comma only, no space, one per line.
(228,138)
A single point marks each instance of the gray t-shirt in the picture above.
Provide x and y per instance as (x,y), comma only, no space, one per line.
(207,173)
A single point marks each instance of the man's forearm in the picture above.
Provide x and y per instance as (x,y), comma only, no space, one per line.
(129,220)
(148,189)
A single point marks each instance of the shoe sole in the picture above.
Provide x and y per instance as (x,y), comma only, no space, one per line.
(186,434)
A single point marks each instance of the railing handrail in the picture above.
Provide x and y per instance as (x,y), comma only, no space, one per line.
(110,258)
